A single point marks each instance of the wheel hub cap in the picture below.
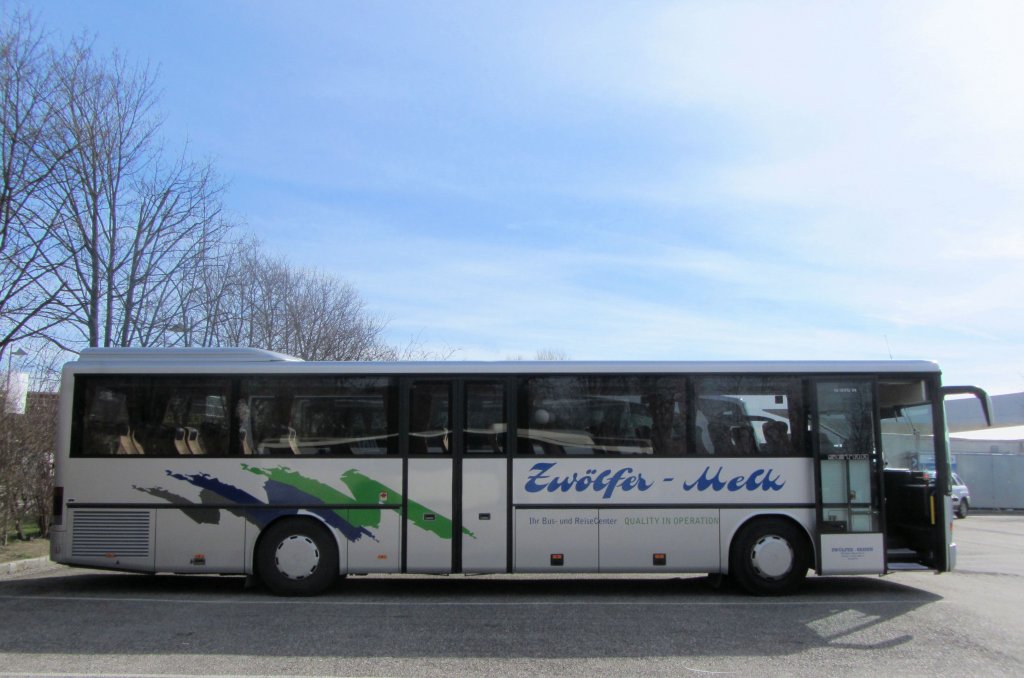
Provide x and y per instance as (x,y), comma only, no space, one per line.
(297,557)
(772,557)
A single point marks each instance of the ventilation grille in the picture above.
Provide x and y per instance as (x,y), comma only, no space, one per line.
(110,534)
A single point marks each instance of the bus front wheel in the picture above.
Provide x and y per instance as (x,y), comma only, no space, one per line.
(297,557)
(769,557)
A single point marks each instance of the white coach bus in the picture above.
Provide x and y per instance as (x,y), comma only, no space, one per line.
(242,461)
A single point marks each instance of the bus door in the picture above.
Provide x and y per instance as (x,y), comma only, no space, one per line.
(847,471)
(483,476)
(456,488)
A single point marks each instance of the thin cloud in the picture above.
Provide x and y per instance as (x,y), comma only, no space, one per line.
(662,180)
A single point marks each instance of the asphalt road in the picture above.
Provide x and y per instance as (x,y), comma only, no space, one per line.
(63,622)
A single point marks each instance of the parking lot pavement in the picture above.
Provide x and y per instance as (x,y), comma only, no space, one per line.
(990,543)
(82,622)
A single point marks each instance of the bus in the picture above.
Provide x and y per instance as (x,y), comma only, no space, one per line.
(244,461)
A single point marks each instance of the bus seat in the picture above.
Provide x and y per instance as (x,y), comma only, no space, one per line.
(743,438)
(243,435)
(127,444)
(138,446)
(194,441)
(776,437)
(181,441)
(721,439)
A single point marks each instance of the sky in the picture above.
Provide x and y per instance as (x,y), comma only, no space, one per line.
(649,180)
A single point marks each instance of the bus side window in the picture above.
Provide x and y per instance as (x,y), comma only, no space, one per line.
(485,421)
(430,417)
(598,415)
(747,416)
(319,416)
(153,416)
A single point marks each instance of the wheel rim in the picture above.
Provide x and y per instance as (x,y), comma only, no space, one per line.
(297,557)
(772,557)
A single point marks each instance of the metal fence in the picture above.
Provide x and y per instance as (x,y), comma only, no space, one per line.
(995,481)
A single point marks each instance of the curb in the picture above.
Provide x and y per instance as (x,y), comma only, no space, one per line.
(28,565)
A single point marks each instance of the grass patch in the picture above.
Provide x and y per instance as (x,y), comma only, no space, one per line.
(35,547)
(20,550)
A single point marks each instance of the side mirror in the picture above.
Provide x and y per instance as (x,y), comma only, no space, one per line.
(986,402)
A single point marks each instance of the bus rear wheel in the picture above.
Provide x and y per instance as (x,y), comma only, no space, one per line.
(769,557)
(297,557)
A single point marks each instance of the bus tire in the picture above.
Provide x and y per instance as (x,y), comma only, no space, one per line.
(769,557)
(297,557)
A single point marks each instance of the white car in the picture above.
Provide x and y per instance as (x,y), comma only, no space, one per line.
(961,497)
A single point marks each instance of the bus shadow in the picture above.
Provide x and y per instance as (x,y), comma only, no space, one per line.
(445,617)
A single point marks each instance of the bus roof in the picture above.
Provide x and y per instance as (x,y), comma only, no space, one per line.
(248,360)
(191,354)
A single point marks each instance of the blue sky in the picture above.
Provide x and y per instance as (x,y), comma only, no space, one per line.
(685,180)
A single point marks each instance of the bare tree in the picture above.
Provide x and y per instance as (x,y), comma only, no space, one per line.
(135,224)
(416,349)
(253,299)
(235,300)
(108,242)
(30,150)
(193,307)
(545,354)
(327,319)
(27,439)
